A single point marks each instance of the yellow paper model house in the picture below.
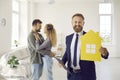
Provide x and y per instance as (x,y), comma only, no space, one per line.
(90,45)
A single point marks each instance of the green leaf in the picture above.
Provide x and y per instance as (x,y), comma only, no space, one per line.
(13,62)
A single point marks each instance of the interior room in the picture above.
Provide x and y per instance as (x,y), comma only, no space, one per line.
(16,17)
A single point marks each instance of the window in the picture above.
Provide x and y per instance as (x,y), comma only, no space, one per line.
(105,12)
(91,48)
(15,22)
(19,23)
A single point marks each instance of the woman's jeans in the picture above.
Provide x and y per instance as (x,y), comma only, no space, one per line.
(48,63)
(37,70)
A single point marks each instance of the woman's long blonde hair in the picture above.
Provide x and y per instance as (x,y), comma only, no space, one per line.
(51,34)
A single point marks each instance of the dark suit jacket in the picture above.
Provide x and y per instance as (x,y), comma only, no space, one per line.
(87,67)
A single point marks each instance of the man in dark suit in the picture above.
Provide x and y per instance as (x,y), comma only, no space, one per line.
(80,69)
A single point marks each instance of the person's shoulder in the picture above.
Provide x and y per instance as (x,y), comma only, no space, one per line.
(30,34)
(70,35)
(47,40)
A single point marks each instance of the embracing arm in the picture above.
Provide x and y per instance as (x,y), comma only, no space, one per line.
(44,52)
(43,45)
(41,49)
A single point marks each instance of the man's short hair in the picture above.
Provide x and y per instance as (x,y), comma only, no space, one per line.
(78,14)
(35,21)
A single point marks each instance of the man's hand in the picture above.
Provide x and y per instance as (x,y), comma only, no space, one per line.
(52,54)
(60,65)
(103,51)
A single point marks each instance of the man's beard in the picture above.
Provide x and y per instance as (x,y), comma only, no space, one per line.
(77,28)
(37,30)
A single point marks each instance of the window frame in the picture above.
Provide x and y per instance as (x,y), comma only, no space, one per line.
(91,48)
(111,15)
(14,42)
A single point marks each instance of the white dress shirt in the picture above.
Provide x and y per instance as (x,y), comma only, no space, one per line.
(78,50)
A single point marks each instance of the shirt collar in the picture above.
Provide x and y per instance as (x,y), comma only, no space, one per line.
(79,33)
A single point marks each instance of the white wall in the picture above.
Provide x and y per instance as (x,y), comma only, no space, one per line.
(60,13)
(114,48)
(23,22)
(5,31)
(116,27)
(31,14)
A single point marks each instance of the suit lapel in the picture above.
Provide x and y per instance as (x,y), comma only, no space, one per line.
(70,37)
(69,40)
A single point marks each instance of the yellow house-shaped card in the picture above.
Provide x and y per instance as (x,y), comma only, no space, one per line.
(90,45)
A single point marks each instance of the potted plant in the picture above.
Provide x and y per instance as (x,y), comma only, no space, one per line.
(13,62)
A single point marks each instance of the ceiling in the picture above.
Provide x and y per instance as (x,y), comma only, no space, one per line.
(53,1)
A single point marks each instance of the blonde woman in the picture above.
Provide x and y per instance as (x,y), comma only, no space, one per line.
(47,45)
